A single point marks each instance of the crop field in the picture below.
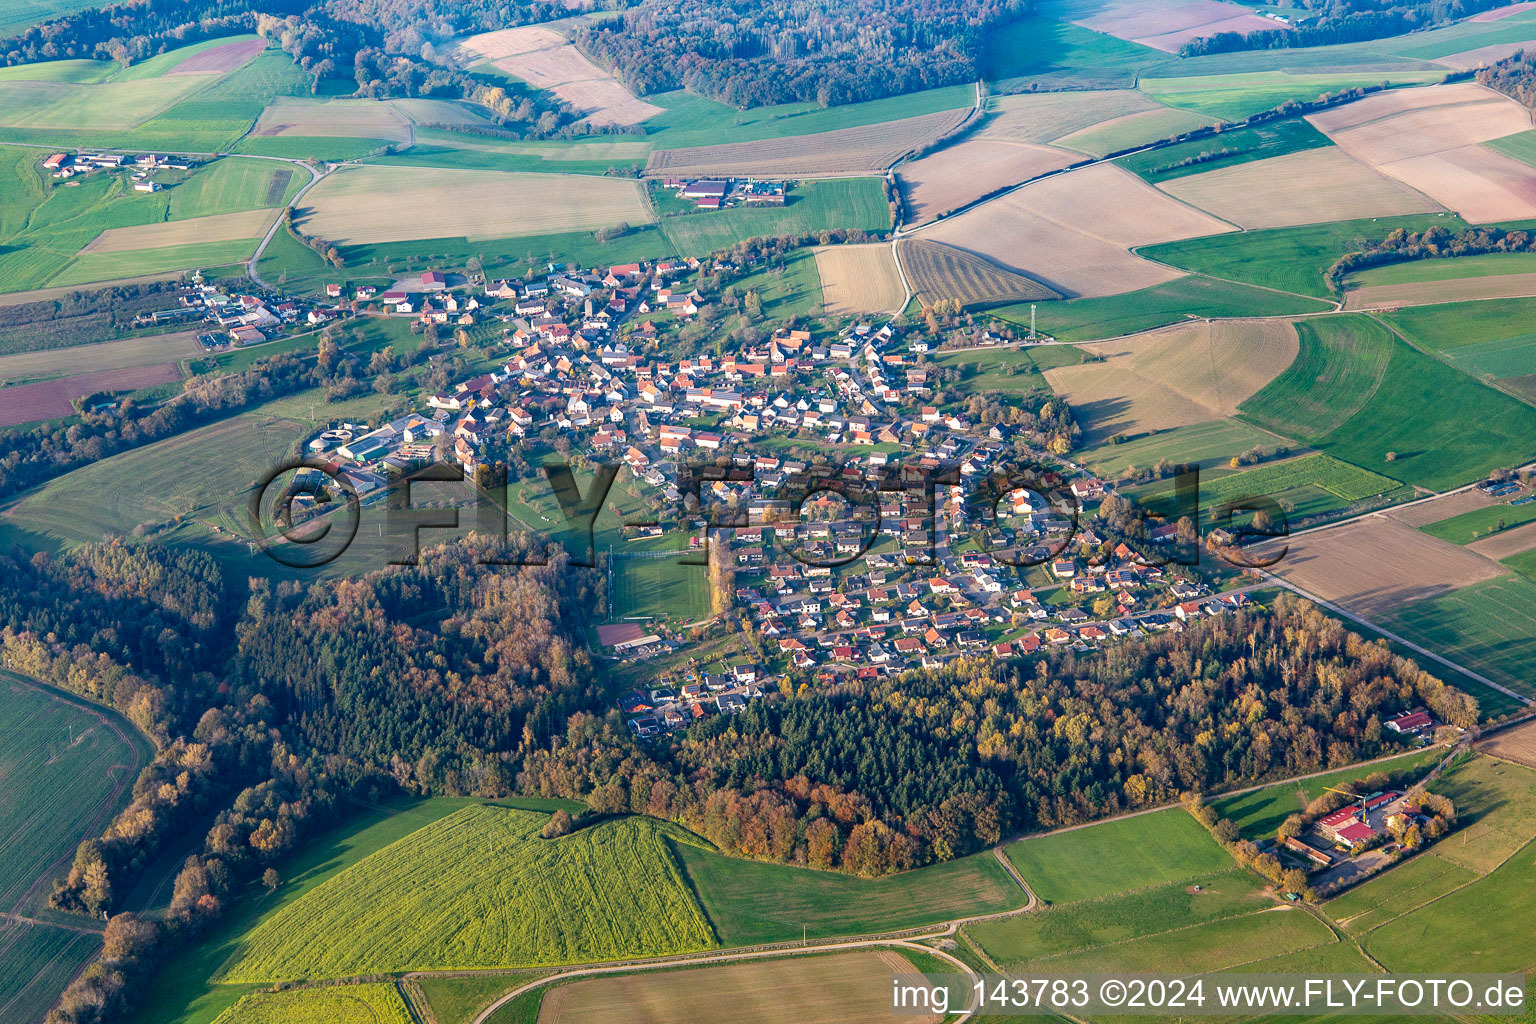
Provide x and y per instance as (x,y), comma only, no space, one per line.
(65,769)
(39,963)
(223,227)
(751,902)
(368,203)
(1201,948)
(1131,130)
(1298,188)
(859,279)
(854,987)
(104,106)
(1117,856)
(475,889)
(542,58)
(1283,480)
(333,118)
(50,399)
(1517,744)
(126,353)
(1339,369)
(1040,51)
(205,470)
(1234,97)
(1085,924)
(1382,569)
(94,267)
(1484,925)
(1510,358)
(944,181)
(1481,522)
(1488,626)
(16,15)
(1047,116)
(1161,26)
(1432,426)
(1181,299)
(1204,444)
(1398,892)
(1427,138)
(375,1003)
(938,271)
(1259,813)
(1184,374)
(1511,546)
(811,206)
(1289,259)
(1072,231)
(864,149)
(1229,149)
(231,184)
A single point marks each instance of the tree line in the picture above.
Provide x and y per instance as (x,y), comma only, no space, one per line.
(756,53)
(1343,21)
(1437,242)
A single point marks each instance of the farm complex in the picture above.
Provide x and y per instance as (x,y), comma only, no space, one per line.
(647,511)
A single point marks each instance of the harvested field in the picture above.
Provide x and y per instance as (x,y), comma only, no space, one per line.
(956,175)
(1308,187)
(1506,543)
(1475,181)
(1134,130)
(1426,138)
(339,118)
(542,58)
(1482,55)
(363,204)
(223,227)
(438,112)
(1449,507)
(608,101)
(859,279)
(1162,26)
(1072,231)
(1376,565)
(1174,377)
(938,271)
(1424,293)
(1047,116)
(220,59)
(872,147)
(106,355)
(509,42)
(853,987)
(49,399)
(1517,745)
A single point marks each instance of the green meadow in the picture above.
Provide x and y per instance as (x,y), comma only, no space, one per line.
(1229,149)
(1180,299)
(1490,627)
(812,206)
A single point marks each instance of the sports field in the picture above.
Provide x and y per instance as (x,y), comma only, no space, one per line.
(853,987)
(1489,627)
(472,891)
(811,206)
(659,588)
(750,901)
(1174,377)
(859,279)
(374,1003)
(362,204)
(1117,856)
